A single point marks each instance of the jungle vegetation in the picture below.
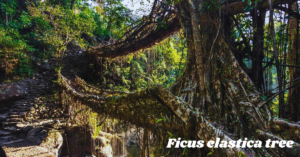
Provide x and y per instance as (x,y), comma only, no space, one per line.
(195,69)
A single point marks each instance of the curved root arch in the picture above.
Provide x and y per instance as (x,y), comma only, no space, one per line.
(146,109)
(150,30)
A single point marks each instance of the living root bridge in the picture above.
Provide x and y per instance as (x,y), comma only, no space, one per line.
(145,108)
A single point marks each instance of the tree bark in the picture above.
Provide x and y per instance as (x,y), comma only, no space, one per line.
(281,111)
(293,59)
(72,4)
(257,54)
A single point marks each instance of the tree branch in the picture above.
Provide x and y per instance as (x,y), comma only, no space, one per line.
(273,96)
(289,11)
(239,7)
(126,47)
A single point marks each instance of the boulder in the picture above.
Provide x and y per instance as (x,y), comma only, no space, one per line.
(110,145)
(48,138)
(15,90)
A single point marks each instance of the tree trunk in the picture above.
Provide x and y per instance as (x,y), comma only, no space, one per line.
(293,59)
(281,112)
(72,4)
(257,54)
(223,87)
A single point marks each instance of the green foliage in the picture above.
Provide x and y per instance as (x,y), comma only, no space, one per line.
(111,17)
(12,21)
(43,29)
(57,26)
(93,122)
(161,64)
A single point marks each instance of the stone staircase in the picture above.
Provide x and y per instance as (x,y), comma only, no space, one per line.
(17,116)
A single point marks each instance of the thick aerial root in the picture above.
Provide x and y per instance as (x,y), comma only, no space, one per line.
(284,125)
(138,41)
(140,108)
(207,131)
(156,107)
(93,90)
(291,152)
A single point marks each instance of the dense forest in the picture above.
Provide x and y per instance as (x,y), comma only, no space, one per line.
(191,69)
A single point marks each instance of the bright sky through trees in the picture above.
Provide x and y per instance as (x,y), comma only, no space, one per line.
(139,7)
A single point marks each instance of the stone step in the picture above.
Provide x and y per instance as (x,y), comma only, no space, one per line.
(16,120)
(14,141)
(24,100)
(4,124)
(4,133)
(20,106)
(3,116)
(19,110)
(7,138)
(24,107)
(16,115)
(35,123)
(19,102)
(23,103)
(10,128)
(35,95)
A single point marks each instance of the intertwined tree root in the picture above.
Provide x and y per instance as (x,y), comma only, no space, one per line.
(145,108)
